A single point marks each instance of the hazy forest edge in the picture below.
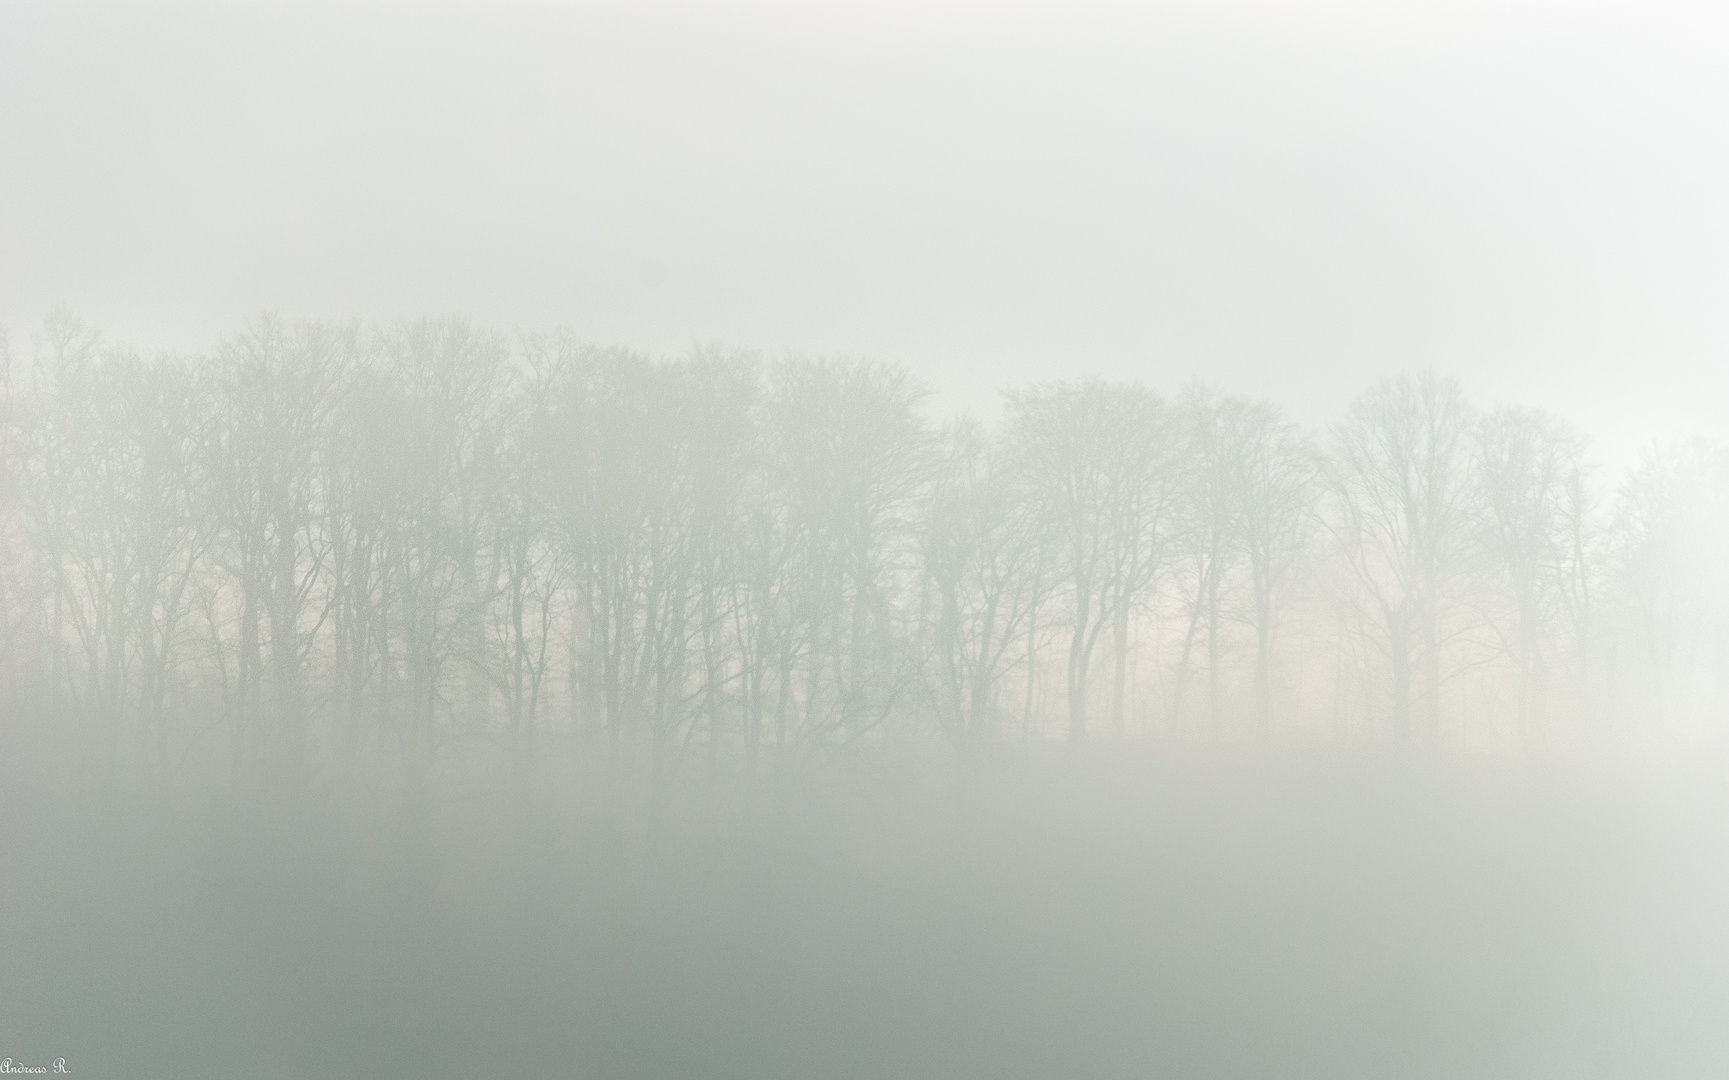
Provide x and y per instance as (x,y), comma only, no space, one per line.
(327,549)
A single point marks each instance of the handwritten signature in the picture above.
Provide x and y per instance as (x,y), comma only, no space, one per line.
(7,1065)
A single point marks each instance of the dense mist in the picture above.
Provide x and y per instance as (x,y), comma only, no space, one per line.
(422,700)
(362,547)
(759,539)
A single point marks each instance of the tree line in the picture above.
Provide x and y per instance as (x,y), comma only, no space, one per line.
(322,544)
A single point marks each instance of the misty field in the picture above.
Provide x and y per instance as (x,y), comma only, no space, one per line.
(864,540)
(423,701)
(1159,910)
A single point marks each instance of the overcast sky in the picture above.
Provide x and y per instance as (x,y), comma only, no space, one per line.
(1286,198)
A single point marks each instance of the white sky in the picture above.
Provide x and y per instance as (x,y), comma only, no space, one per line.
(1285,198)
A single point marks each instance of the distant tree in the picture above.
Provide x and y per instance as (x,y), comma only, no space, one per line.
(49,442)
(275,392)
(1273,473)
(1206,538)
(851,453)
(1098,460)
(528,568)
(446,382)
(981,556)
(1671,529)
(1531,517)
(1400,483)
(333,545)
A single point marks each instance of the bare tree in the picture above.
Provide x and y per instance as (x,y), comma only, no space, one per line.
(1671,526)
(1530,522)
(277,389)
(980,554)
(1400,516)
(1097,460)
(332,544)
(852,453)
(1205,536)
(1273,471)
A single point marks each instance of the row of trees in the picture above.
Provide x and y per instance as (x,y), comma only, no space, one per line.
(321,545)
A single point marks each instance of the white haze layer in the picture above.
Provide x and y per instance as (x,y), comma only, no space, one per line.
(1286,199)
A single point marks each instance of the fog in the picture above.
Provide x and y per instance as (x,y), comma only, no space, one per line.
(923,540)
(1291,199)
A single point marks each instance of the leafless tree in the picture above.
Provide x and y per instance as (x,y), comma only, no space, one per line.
(1529,471)
(1273,472)
(981,555)
(1098,461)
(1400,482)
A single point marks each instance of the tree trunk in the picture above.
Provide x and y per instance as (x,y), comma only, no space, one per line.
(1119,677)
(1078,661)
